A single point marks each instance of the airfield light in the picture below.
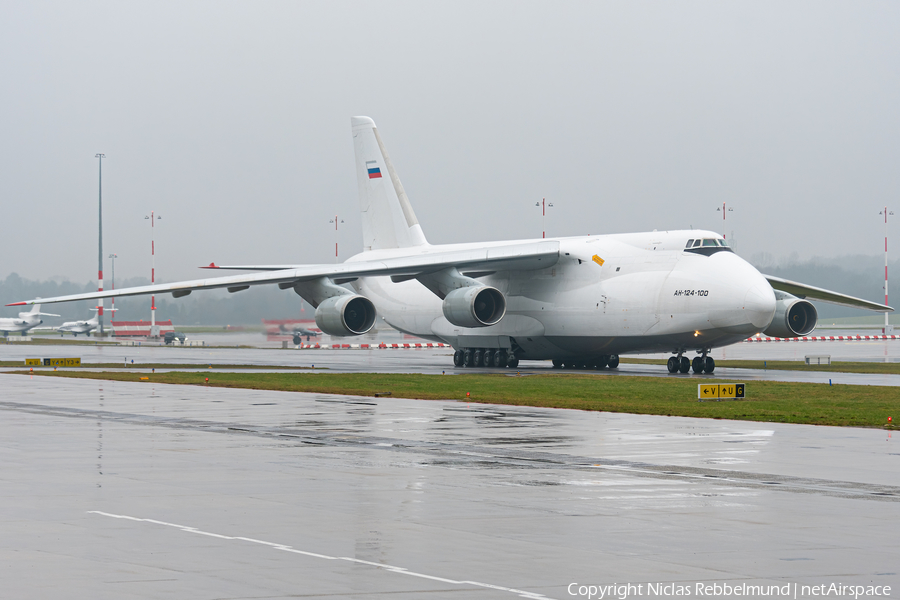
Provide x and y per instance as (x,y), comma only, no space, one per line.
(887,326)
(696,333)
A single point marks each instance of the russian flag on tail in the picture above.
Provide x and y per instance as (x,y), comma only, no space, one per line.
(372,168)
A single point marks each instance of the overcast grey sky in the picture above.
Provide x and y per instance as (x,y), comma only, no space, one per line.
(232,121)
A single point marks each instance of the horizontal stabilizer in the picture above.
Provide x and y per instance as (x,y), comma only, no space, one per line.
(801,290)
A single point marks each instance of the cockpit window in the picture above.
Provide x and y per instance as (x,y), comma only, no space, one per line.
(707,247)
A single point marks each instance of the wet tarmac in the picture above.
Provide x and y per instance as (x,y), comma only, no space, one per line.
(123,490)
(438,360)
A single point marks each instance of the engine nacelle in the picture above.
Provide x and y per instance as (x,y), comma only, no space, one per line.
(793,317)
(475,306)
(347,314)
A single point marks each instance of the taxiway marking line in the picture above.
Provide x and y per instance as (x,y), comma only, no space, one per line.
(286,548)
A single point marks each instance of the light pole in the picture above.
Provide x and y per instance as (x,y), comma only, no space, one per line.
(154,332)
(100,243)
(335,221)
(544,206)
(724,229)
(887,325)
(112,301)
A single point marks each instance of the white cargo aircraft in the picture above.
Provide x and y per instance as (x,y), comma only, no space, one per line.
(579,301)
(26,320)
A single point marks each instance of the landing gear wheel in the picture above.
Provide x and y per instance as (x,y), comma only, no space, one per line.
(672,364)
(499,359)
(685,364)
(458,358)
(697,364)
(488,358)
(478,355)
(557,363)
(468,358)
(613,361)
(710,365)
(512,362)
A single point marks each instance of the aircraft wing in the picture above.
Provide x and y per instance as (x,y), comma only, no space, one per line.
(801,290)
(511,257)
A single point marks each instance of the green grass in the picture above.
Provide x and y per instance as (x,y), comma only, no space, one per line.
(790,365)
(818,404)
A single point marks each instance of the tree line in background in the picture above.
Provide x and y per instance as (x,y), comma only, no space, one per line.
(858,275)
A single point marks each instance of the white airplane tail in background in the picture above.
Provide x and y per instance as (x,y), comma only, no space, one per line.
(35,312)
(388,220)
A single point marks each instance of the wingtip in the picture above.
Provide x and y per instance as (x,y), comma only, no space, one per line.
(17,304)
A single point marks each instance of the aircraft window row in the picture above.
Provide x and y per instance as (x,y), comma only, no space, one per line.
(708,242)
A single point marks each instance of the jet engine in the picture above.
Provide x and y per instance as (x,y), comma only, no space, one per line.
(474,306)
(793,317)
(347,314)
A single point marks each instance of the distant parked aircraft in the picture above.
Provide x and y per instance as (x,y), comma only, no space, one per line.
(298,333)
(76,327)
(26,320)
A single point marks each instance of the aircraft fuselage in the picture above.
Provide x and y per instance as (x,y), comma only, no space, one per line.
(608,294)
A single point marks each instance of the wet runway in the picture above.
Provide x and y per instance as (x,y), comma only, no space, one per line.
(118,490)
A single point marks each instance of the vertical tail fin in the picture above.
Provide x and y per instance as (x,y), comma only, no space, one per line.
(388,220)
(35,308)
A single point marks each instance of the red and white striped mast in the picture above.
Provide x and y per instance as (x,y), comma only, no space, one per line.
(544,206)
(724,228)
(100,243)
(335,236)
(153,332)
(887,326)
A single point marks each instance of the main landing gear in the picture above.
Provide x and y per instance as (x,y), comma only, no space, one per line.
(678,363)
(485,357)
(700,364)
(597,362)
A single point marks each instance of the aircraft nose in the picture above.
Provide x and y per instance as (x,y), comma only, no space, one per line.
(759,302)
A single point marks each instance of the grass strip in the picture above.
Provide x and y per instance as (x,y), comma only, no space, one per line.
(769,401)
(875,368)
